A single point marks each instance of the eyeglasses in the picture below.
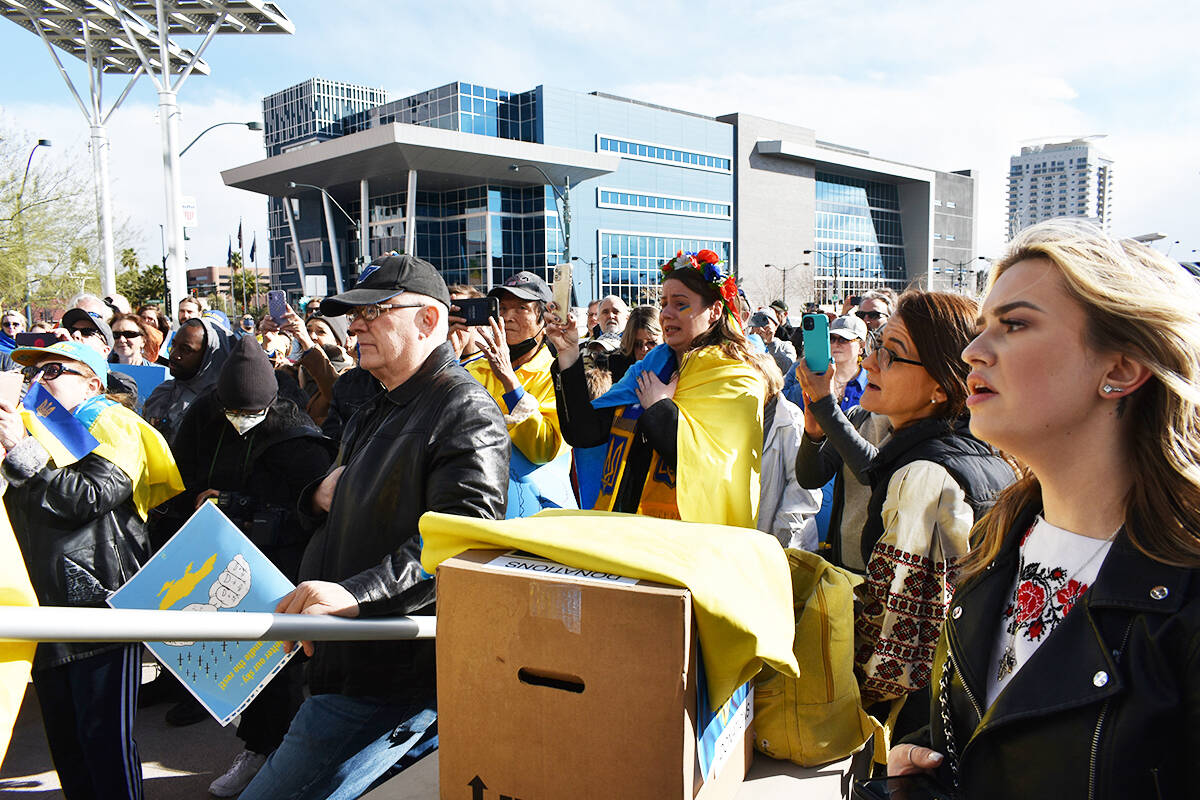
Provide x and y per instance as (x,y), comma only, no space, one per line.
(86,331)
(371,312)
(887,356)
(869,314)
(11,323)
(49,371)
(126,334)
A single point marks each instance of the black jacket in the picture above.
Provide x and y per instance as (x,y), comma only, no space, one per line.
(973,464)
(79,533)
(585,426)
(260,475)
(351,391)
(437,442)
(1107,707)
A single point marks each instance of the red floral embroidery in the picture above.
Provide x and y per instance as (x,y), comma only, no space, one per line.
(1067,595)
(1031,599)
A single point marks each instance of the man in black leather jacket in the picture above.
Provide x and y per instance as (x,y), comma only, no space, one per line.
(433,440)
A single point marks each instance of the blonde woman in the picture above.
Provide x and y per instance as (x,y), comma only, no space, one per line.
(1069,665)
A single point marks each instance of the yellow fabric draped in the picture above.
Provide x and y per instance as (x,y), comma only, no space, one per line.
(739,578)
(141,453)
(538,436)
(720,438)
(16,658)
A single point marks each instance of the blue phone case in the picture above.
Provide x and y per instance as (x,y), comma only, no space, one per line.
(816,342)
(276,305)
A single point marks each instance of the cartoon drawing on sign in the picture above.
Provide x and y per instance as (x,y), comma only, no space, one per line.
(178,589)
(229,589)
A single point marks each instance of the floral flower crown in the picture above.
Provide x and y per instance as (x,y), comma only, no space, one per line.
(708,264)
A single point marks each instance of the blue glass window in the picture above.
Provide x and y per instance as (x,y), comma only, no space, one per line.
(667,154)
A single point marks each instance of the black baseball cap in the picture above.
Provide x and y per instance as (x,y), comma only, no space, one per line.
(75,315)
(524,286)
(386,277)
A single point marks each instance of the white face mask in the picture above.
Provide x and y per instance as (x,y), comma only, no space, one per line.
(244,423)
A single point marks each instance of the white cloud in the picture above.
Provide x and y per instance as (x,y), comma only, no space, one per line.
(135,166)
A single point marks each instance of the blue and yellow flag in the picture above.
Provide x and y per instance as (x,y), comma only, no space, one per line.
(139,450)
(15,657)
(65,438)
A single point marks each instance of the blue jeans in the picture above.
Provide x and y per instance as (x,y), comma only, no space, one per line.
(340,747)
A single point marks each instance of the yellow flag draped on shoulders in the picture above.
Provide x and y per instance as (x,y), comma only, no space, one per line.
(15,657)
(139,450)
(739,579)
(720,401)
(718,439)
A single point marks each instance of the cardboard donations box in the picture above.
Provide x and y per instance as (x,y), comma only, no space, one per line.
(555,682)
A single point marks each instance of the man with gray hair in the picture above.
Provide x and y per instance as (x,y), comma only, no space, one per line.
(93,305)
(432,440)
(613,314)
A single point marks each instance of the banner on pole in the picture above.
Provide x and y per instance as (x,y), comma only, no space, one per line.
(210,566)
(187,212)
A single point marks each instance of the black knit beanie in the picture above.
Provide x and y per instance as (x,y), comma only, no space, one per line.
(247,381)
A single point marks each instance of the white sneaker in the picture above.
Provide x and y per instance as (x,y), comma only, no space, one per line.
(238,776)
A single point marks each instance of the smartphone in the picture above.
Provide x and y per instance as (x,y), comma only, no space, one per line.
(277,305)
(34,339)
(10,388)
(815,330)
(562,291)
(855,300)
(908,787)
(477,310)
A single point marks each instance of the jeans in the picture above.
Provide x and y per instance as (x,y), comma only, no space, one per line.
(339,747)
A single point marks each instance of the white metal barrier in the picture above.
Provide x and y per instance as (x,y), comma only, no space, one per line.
(74,624)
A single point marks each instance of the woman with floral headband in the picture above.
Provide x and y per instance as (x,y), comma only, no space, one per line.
(684,425)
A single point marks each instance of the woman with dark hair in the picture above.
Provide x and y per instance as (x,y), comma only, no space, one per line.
(684,425)
(1069,665)
(158,331)
(930,480)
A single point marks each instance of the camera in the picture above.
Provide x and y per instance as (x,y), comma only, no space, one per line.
(808,323)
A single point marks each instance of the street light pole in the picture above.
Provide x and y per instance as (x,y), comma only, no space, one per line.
(564,211)
(253,125)
(326,199)
(959,266)
(21,230)
(836,258)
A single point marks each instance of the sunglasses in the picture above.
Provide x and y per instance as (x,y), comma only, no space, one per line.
(49,371)
(126,334)
(869,314)
(11,323)
(86,331)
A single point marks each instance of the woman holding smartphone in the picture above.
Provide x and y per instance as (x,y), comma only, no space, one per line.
(1070,662)
(929,480)
(684,425)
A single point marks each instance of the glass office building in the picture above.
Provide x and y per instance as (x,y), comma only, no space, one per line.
(853,215)
(433,174)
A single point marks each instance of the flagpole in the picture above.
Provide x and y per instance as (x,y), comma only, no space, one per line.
(242,253)
(254,260)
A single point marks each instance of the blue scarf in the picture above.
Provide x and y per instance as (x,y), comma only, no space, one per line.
(7,343)
(661,361)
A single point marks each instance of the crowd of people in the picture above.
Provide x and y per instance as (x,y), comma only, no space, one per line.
(1018,483)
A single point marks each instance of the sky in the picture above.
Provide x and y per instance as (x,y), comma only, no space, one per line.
(941,84)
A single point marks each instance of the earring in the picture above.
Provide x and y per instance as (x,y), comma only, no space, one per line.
(1109,389)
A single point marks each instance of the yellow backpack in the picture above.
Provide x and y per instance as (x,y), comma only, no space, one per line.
(818,717)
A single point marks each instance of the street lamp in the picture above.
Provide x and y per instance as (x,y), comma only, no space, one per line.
(253,125)
(333,253)
(784,271)
(21,229)
(836,258)
(959,266)
(564,211)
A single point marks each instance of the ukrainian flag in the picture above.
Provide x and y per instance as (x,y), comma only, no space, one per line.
(65,438)
(15,657)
